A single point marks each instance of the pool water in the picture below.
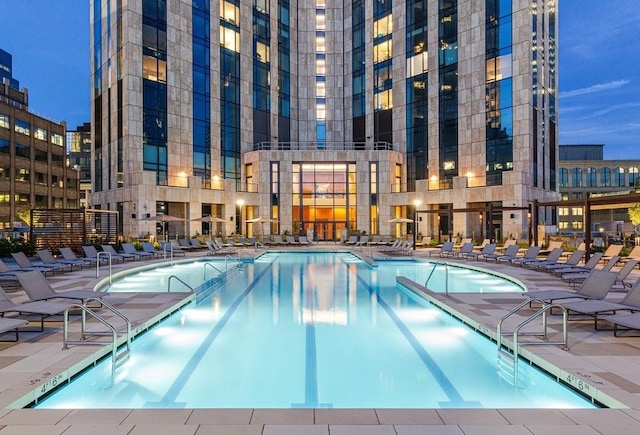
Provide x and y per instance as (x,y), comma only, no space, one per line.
(312,331)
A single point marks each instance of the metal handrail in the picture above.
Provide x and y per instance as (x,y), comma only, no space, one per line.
(114,334)
(229,257)
(175,277)
(446,276)
(165,250)
(515,310)
(114,311)
(542,312)
(98,264)
(204,270)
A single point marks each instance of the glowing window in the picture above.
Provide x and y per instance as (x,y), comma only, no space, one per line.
(383,100)
(383,26)
(382,51)
(229,39)
(230,12)
(418,64)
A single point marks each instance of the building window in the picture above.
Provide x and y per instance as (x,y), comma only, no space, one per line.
(590,174)
(22,151)
(230,12)
(605,177)
(563,178)
(22,127)
(40,133)
(576,177)
(633,176)
(4,121)
(618,177)
(230,39)
(5,146)
(57,139)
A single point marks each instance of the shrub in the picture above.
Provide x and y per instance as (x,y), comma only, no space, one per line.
(7,246)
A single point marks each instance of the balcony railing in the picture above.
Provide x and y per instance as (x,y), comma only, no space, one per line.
(323,146)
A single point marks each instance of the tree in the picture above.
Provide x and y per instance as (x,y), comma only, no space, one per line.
(634,215)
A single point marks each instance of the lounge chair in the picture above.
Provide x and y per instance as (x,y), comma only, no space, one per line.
(37,288)
(25,264)
(129,248)
(588,266)
(425,241)
(531,254)
(291,241)
(364,240)
(633,255)
(447,247)
(627,321)
(395,245)
(573,260)
(375,240)
(277,240)
(186,245)
(172,248)
(510,252)
(596,286)
(150,249)
(554,244)
(115,254)
(8,272)
(611,251)
(303,240)
(575,277)
(552,257)
(49,260)
(91,252)
(42,308)
(216,248)
(594,308)
(487,250)
(466,248)
(352,240)
(405,248)
(505,246)
(7,325)
(197,245)
(69,255)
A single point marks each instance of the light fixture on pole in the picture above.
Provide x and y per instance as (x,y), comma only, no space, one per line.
(416,204)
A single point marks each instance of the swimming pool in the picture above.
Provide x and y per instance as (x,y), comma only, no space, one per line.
(311,331)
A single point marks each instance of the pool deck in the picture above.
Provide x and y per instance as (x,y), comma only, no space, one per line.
(598,363)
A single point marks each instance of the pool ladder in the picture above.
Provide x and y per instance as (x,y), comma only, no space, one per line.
(117,357)
(446,276)
(507,363)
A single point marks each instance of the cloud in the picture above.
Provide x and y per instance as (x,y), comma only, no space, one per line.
(616,107)
(600,87)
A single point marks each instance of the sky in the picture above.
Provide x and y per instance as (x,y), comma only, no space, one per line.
(598,66)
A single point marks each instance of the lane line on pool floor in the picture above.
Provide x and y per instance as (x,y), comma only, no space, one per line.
(181,380)
(455,398)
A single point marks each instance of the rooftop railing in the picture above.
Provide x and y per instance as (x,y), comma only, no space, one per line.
(324,146)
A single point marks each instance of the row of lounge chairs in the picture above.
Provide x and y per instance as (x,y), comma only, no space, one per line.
(589,300)
(43,302)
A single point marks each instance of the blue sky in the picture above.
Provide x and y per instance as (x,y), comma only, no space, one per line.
(599,66)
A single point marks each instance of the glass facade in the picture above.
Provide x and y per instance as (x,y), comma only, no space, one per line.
(499,147)
(154,75)
(201,18)
(324,198)
(448,96)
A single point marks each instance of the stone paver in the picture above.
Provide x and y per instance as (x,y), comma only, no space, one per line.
(595,361)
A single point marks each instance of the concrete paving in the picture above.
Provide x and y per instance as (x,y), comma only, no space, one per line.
(600,365)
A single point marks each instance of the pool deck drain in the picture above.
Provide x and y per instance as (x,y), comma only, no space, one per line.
(596,359)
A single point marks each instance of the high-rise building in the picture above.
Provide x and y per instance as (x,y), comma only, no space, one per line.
(325,115)
(79,155)
(33,162)
(6,70)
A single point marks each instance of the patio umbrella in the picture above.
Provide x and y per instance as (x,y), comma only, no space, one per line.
(162,218)
(211,220)
(260,220)
(400,220)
